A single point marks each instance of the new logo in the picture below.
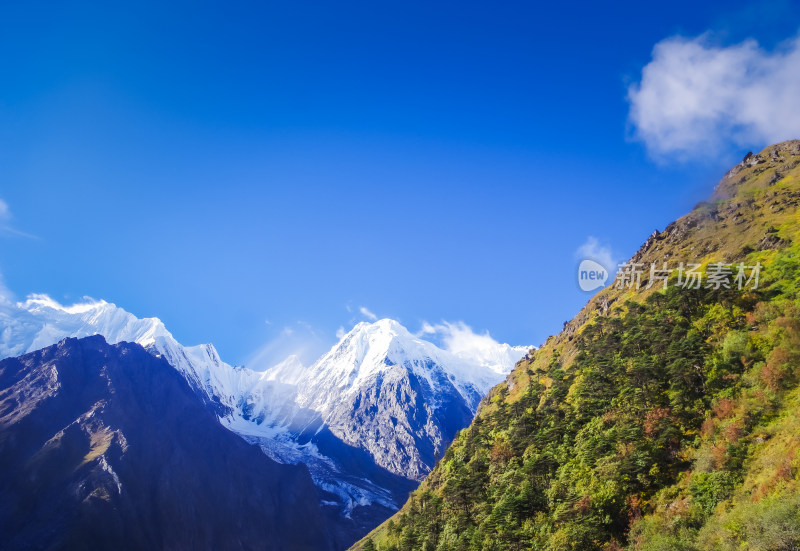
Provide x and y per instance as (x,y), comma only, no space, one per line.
(591,275)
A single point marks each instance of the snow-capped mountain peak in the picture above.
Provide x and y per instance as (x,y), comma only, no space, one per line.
(373,348)
(398,396)
(362,351)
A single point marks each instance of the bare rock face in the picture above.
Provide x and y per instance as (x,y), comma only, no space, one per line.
(401,419)
(107,447)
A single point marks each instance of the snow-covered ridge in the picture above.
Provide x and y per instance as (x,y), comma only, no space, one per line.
(40,321)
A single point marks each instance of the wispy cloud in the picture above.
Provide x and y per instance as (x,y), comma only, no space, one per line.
(367,314)
(298,339)
(6,296)
(694,97)
(461,340)
(592,249)
(5,222)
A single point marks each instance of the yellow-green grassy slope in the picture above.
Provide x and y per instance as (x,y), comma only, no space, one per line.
(656,419)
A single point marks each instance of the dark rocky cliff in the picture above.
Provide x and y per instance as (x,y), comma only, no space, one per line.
(107,447)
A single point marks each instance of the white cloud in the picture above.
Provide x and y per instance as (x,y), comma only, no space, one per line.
(427,329)
(695,98)
(5,212)
(341,332)
(593,250)
(459,339)
(367,314)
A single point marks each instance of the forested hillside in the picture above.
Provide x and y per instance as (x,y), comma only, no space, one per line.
(660,418)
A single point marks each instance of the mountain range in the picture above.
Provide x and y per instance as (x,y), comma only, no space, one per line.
(368,419)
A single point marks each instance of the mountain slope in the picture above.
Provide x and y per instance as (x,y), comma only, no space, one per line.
(107,447)
(659,418)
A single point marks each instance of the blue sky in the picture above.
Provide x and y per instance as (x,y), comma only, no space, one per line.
(246,170)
